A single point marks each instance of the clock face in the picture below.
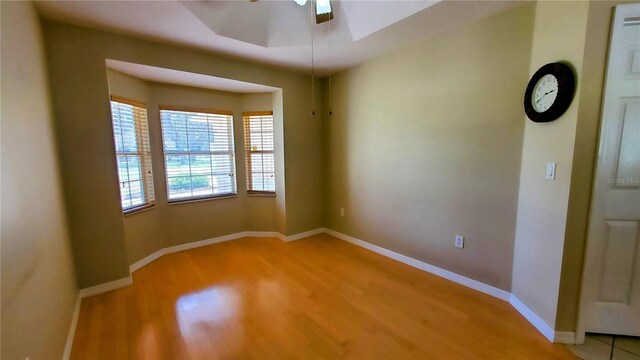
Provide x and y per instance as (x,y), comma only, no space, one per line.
(545,93)
(549,92)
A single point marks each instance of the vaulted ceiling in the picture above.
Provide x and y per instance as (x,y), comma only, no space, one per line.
(279,32)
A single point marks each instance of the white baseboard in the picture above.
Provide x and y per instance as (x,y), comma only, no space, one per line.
(533,318)
(564,337)
(201,243)
(449,275)
(72,329)
(86,292)
(146,260)
(305,234)
(263,234)
(182,247)
(192,245)
(102,288)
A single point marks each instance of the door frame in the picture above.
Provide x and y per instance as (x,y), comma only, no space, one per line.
(587,287)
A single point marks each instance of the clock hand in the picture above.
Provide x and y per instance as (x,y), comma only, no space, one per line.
(545,94)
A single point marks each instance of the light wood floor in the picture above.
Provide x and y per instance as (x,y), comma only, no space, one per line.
(318,298)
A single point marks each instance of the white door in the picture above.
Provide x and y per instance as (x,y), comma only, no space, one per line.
(611,282)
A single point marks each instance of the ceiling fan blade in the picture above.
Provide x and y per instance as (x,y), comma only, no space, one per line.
(324,12)
(320,18)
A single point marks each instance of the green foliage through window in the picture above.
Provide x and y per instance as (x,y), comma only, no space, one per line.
(198,153)
(188,183)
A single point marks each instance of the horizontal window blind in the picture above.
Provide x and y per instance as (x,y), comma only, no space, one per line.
(259,151)
(199,153)
(133,153)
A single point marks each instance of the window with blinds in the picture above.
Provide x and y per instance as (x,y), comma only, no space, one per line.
(199,153)
(259,155)
(133,154)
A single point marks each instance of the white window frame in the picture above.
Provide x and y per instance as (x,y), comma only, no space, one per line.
(248,148)
(229,152)
(143,154)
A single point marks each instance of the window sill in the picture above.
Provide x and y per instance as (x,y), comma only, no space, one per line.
(261,194)
(139,209)
(193,200)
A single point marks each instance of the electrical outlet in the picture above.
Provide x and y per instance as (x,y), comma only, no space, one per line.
(341,211)
(459,241)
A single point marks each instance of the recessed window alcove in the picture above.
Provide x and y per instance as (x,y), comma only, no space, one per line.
(193,203)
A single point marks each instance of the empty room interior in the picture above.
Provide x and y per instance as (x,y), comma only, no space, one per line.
(320,179)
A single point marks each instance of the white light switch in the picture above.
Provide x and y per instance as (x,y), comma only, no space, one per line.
(551,171)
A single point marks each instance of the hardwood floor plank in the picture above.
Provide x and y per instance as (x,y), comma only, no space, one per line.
(316,298)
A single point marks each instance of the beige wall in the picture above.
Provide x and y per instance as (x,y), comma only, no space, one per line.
(168,225)
(561,214)
(559,35)
(458,94)
(80,95)
(425,144)
(262,213)
(38,281)
(584,157)
(553,216)
(143,232)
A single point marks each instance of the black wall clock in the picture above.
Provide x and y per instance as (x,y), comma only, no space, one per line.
(549,93)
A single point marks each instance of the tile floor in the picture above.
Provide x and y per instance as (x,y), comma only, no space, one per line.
(600,347)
